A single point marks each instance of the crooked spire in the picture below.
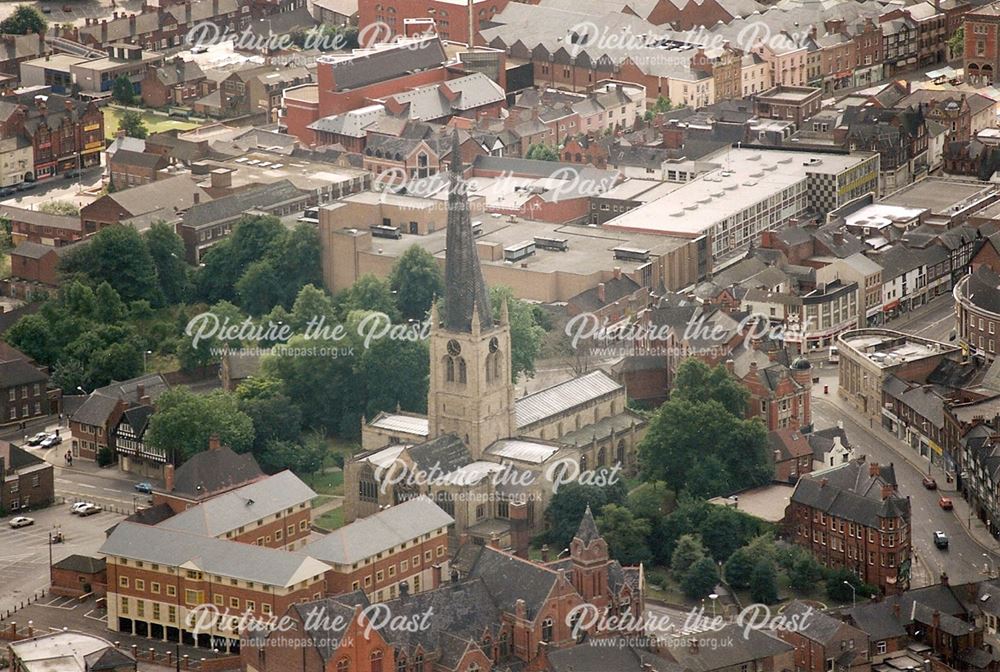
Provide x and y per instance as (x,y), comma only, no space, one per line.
(465,290)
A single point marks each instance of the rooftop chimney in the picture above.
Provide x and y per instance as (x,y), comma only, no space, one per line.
(213,442)
(197,198)
(168,477)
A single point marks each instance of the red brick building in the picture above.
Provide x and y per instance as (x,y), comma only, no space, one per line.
(401,550)
(780,395)
(204,475)
(791,454)
(823,639)
(496,610)
(451,19)
(41,227)
(26,481)
(77,575)
(852,516)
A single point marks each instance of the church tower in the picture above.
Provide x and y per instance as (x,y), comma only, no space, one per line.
(471,394)
(588,553)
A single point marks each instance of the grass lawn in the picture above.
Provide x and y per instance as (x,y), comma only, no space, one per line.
(154,123)
(329,483)
(331,520)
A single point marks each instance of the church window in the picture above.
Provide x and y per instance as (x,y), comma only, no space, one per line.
(400,661)
(547,630)
(601,457)
(449,366)
(504,644)
(367,487)
(461,370)
(343,665)
(376,660)
(621,453)
(497,368)
(583,463)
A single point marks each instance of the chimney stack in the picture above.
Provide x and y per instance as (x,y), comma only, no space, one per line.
(873,469)
(168,477)
(600,292)
(197,198)
(213,442)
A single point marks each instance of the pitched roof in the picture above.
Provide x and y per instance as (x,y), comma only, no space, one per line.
(32,250)
(509,579)
(369,67)
(242,506)
(852,492)
(379,532)
(269,566)
(587,532)
(96,409)
(563,396)
(83,564)
(211,471)
(234,205)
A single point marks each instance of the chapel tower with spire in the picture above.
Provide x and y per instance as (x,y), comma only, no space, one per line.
(470,393)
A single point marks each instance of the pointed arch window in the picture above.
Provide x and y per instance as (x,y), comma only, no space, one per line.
(547,630)
(449,369)
(462,373)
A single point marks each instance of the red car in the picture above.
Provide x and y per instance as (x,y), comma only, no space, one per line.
(930,483)
(946,504)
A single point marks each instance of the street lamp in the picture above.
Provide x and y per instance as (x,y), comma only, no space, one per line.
(854,593)
(713,597)
(145,353)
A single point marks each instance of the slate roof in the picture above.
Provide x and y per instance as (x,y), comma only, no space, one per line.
(447,452)
(140,159)
(742,647)
(983,289)
(822,440)
(270,566)
(242,506)
(385,64)
(233,206)
(166,196)
(84,564)
(366,537)
(509,579)
(108,659)
(96,410)
(212,471)
(587,532)
(620,658)
(614,290)
(32,250)
(850,492)
(788,443)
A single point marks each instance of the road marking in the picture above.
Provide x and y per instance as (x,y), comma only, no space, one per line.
(87,485)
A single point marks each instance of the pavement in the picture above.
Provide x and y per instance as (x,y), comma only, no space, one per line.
(80,191)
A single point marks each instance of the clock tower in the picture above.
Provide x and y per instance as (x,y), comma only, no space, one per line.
(471,394)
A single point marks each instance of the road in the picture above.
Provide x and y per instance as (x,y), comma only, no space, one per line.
(963,560)
(934,320)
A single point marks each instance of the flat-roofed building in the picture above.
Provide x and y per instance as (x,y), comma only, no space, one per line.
(869,356)
(754,190)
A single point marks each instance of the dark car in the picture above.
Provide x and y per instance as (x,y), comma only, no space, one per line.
(930,483)
(145,487)
(70,174)
(27,186)
(7,192)
(940,539)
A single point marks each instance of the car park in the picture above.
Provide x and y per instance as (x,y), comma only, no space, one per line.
(21,521)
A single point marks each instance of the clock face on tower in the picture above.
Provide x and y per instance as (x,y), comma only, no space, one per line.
(454,348)
(494,344)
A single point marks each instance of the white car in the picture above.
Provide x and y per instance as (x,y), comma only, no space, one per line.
(53,440)
(79,506)
(89,510)
(21,521)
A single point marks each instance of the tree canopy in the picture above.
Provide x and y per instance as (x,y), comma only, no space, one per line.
(416,279)
(133,124)
(184,422)
(25,19)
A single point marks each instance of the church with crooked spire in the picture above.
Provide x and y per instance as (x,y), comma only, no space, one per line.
(476,431)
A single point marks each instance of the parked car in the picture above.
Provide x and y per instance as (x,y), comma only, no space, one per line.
(144,487)
(38,438)
(53,440)
(946,503)
(930,483)
(89,510)
(27,186)
(70,174)
(79,506)
(940,539)
(199,49)
(21,521)
(7,192)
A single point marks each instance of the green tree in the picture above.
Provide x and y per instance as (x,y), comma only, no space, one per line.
(567,506)
(184,421)
(956,43)
(109,306)
(700,579)
(383,365)
(805,574)
(119,256)
(167,251)
(525,333)
(67,208)
(542,152)
(839,583)
(696,382)
(416,279)
(764,582)
(368,294)
(650,500)
(275,418)
(296,255)
(723,530)
(226,261)
(313,308)
(132,123)
(303,458)
(123,91)
(688,551)
(625,534)
(259,288)
(739,568)
(25,19)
